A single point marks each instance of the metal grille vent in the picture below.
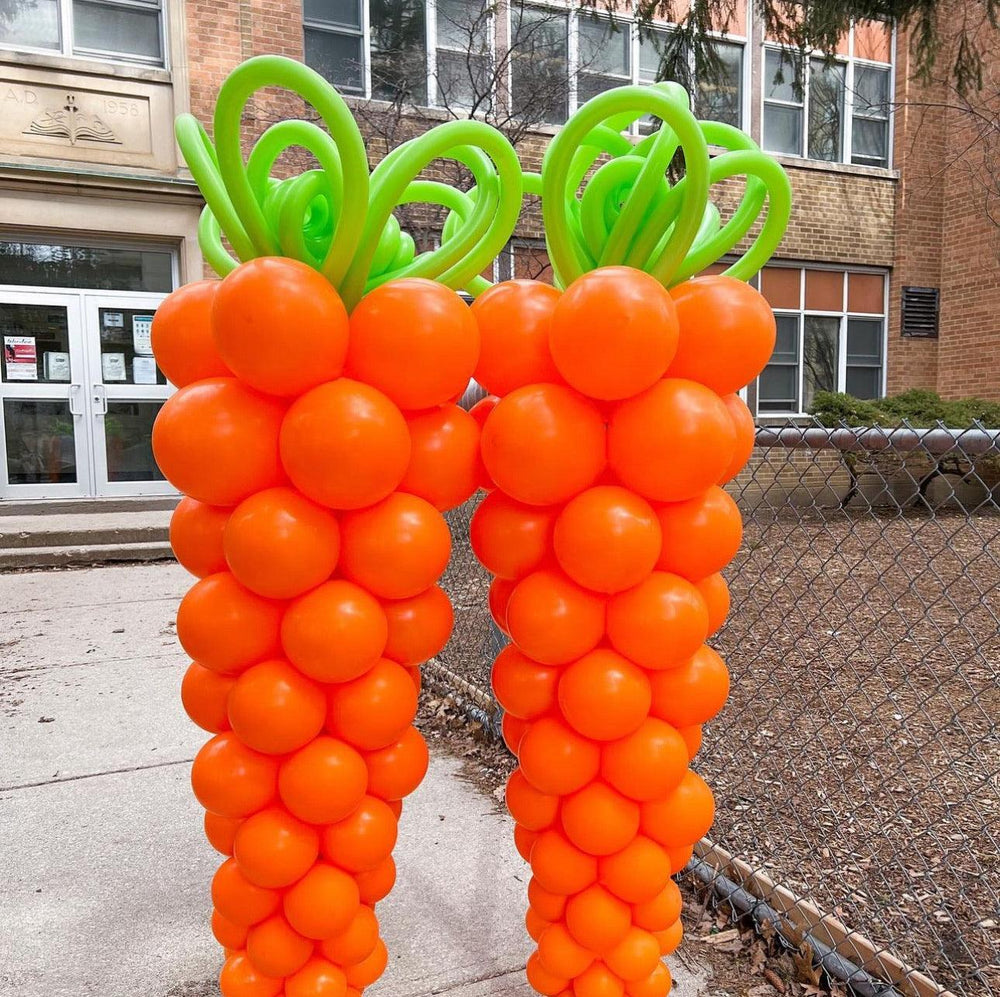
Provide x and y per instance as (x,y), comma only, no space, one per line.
(921,307)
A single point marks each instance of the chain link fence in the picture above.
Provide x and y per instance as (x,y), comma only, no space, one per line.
(856,766)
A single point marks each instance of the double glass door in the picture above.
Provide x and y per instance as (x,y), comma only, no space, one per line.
(79,389)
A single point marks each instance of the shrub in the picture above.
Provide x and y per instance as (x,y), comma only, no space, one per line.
(917,407)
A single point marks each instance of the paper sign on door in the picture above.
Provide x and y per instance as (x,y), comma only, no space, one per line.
(142,329)
(20,358)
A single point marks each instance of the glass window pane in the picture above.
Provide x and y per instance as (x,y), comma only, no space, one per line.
(819,356)
(870,141)
(127,31)
(604,48)
(91,267)
(780,72)
(786,345)
(346,12)
(781,286)
(128,429)
(719,93)
(126,357)
(826,111)
(33,24)
(824,290)
(463,80)
(783,129)
(864,341)
(35,343)
(399,50)
(651,48)
(463,25)
(539,66)
(865,293)
(777,389)
(864,382)
(41,442)
(871,91)
(336,58)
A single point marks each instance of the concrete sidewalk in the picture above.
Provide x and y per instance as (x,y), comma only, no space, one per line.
(104,870)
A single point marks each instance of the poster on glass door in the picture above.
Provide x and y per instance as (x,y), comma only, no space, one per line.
(20,358)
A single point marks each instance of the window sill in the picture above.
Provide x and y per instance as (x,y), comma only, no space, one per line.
(821,166)
(90,67)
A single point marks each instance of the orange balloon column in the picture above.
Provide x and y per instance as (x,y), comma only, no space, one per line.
(316,452)
(616,425)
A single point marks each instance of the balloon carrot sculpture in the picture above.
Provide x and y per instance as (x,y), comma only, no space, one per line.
(316,439)
(615,427)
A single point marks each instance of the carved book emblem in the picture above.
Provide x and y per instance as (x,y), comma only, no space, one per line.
(69,121)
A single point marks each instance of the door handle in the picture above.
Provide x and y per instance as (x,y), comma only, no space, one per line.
(100,398)
(75,408)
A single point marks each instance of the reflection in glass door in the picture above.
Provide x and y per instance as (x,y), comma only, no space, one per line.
(46,447)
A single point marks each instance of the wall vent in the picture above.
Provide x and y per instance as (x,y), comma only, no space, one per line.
(921,308)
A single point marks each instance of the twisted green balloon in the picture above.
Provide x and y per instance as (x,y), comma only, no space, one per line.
(605,199)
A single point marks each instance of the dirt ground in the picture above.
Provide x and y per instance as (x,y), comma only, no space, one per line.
(857,762)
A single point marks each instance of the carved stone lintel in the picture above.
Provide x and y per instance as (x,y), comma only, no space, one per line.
(72,123)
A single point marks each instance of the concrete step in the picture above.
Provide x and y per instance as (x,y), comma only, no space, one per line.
(82,555)
(75,507)
(84,529)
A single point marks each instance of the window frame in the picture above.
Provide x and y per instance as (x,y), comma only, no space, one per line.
(844,316)
(67,48)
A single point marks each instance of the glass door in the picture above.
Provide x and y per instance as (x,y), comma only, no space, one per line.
(46,445)
(125,390)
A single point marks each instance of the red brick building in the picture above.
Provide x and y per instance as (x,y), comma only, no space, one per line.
(887,278)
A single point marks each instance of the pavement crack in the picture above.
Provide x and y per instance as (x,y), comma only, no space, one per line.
(93,775)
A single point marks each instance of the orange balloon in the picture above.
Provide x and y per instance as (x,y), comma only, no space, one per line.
(672,441)
(715,592)
(280,325)
(607,539)
(535,924)
(638,872)
(418,627)
(414,339)
(560,954)
(345,445)
(603,695)
(597,919)
(543,443)
(182,335)
(541,979)
(322,782)
(273,849)
(692,738)
(221,831)
(510,539)
(598,981)
(317,978)
(613,333)
(231,779)
(334,633)
(322,903)
(373,711)
(660,623)
(395,549)
(396,771)
(196,536)
(524,841)
(513,731)
(356,942)
(635,956)
(598,820)
(501,589)
(530,808)
(239,978)
(746,434)
(224,626)
(693,693)
(559,866)
(648,764)
(684,817)
(523,687)
(700,536)
(376,884)
(660,912)
(555,759)
(679,857)
(657,984)
(275,709)
(727,332)
(514,318)
(670,938)
(279,544)
(552,619)
(227,933)
(363,839)
(276,949)
(547,905)
(204,695)
(444,459)
(217,441)
(240,901)
(365,973)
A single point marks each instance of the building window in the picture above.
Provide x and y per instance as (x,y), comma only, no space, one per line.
(335,41)
(834,110)
(116,30)
(830,336)
(604,54)
(540,63)
(463,54)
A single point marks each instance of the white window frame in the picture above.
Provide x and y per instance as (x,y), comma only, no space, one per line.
(843,316)
(67,49)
